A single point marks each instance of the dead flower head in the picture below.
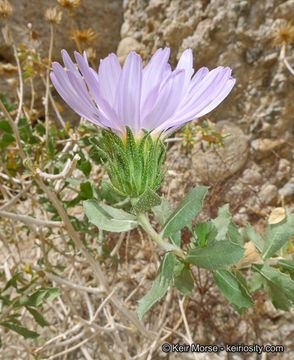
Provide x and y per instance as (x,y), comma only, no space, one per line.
(53,16)
(283,33)
(69,4)
(5,9)
(86,36)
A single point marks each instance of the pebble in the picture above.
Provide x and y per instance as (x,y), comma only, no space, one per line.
(252,177)
(268,194)
(287,191)
(216,164)
(265,145)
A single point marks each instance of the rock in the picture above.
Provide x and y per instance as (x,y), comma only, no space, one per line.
(285,10)
(287,191)
(126,45)
(268,194)
(252,55)
(270,59)
(251,177)
(216,164)
(176,32)
(284,171)
(265,146)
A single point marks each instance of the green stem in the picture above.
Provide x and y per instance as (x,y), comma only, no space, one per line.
(144,222)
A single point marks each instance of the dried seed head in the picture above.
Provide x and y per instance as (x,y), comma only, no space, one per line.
(85,36)
(53,16)
(69,4)
(5,9)
(283,33)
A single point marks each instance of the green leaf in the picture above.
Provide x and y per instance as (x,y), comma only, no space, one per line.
(13,280)
(72,181)
(108,218)
(279,300)
(233,289)
(202,229)
(96,155)
(84,166)
(37,297)
(176,238)
(276,235)
(110,196)
(184,282)
(26,333)
(5,299)
(146,201)
(38,317)
(220,255)
(234,235)
(52,293)
(255,282)
(279,285)
(41,130)
(86,191)
(222,221)
(159,288)
(162,211)
(4,125)
(6,139)
(286,264)
(185,212)
(250,234)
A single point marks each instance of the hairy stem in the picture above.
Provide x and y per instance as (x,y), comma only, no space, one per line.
(48,83)
(144,222)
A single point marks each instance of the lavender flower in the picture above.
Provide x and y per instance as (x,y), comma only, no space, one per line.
(154,98)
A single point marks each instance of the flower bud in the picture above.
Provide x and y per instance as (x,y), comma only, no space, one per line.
(133,164)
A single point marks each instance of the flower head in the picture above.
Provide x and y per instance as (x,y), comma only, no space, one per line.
(5,9)
(154,98)
(85,36)
(283,33)
(53,16)
(69,4)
